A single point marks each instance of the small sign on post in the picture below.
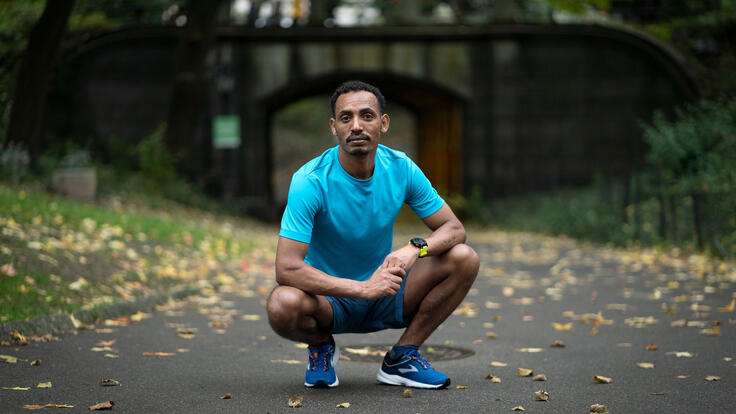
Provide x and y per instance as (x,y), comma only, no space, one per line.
(226,131)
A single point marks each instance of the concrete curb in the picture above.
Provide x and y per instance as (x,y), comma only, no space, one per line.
(62,322)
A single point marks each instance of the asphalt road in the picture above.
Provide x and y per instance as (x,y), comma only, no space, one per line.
(221,343)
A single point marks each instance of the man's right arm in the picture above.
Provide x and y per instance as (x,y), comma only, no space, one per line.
(292,270)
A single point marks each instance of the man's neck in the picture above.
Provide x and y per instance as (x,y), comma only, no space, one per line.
(358,166)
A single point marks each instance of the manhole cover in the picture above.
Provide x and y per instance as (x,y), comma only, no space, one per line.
(376,352)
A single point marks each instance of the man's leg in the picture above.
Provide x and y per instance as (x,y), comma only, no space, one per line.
(299,316)
(434,288)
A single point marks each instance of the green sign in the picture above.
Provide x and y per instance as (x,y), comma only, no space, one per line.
(226,131)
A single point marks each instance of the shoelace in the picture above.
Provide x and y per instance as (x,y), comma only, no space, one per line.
(319,355)
(415,355)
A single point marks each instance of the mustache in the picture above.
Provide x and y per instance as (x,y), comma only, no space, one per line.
(352,137)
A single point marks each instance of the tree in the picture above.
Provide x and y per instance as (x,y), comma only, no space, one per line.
(36,70)
(190,83)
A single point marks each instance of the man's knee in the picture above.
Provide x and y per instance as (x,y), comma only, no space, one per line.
(285,305)
(465,260)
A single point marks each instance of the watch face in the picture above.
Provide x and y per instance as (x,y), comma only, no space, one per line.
(417,241)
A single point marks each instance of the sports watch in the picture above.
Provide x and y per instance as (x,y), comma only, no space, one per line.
(420,244)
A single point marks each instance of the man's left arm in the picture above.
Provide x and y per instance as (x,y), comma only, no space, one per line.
(447,231)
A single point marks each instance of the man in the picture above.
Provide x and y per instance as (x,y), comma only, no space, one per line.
(335,269)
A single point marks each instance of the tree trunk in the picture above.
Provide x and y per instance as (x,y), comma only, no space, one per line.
(698,220)
(34,77)
(189,91)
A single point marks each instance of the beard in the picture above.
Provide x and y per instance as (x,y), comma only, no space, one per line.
(357,151)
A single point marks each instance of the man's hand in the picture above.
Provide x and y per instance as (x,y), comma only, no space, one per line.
(404,258)
(385,281)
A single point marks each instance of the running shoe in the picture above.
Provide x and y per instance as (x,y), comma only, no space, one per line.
(406,366)
(321,367)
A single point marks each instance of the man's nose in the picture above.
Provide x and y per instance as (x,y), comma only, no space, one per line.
(355,125)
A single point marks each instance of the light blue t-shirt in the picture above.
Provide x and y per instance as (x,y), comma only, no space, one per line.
(348,222)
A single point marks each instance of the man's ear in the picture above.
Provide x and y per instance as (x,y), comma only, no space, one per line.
(385,121)
(332,126)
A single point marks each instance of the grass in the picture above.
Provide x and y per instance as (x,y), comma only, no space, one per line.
(59,255)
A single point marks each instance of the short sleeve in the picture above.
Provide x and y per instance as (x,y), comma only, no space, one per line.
(420,195)
(301,207)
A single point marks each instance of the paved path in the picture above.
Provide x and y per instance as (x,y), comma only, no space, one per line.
(526,285)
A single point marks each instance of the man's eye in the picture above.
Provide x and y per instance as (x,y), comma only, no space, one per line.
(345,118)
(367,116)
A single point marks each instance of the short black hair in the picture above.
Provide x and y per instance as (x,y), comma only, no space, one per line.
(354,86)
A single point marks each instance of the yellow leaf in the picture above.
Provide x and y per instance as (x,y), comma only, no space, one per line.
(462,387)
(712,378)
(530,350)
(17,388)
(36,362)
(524,372)
(598,409)
(140,316)
(729,308)
(301,345)
(105,405)
(645,365)
(496,380)
(9,359)
(541,395)
(498,364)
(518,408)
(343,405)
(407,393)
(601,379)
(159,354)
(295,402)
(44,385)
(40,407)
(562,327)
(113,356)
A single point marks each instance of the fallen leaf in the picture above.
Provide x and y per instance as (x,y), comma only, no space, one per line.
(462,387)
(219,324)
(227,396)
(645,365)
(477,341)
(295,402)
(682,376)
(562,327)
(557,344)
(9,359)
(40,407)
(36,362)
(624,344)
(490,335)
(107,343)
(712,378)
(110,383)
(527,318)
(140,316)
(407,393)
(111,356)
(158,354)
(541,395)
(301,345)
(652,347)
(496,380)
(343,405)
(184,335)
(44,385)
(518,408)
(102,349)
(730,308)
(524,372)
(540,377)
(105,405)
(182,350)
(656,393)
(598,409)
(680,354)
(601,379)
(251,317)
(530,350)
(499,364)
(17,388)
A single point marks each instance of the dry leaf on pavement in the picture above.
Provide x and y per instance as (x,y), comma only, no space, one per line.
(105,405)
(530,350)
(295,402)
(44,385)
(17,388)
(40,407)
(227,396)
(462,387)
(652,347)
(712,378)
(524,372)
(557,344)
(601,379)
(110,383)
(343,405)
(562,326)
(540,377)
(407,393)
(9,359)
(518,408)
(36,362)
(158,354)
(499,364)
(598,409)
(541,395)
(645,365)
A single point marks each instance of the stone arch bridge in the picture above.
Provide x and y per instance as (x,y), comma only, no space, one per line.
(505,108)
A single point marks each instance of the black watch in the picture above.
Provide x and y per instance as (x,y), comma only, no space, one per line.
(420,244)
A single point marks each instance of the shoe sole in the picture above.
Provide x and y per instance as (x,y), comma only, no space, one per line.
(391,379)
(322,384)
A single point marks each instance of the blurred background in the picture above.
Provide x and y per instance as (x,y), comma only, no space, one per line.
(607,120)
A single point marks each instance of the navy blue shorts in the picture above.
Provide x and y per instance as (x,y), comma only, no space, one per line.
(355,315)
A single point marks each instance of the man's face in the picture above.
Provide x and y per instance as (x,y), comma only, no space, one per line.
(358,123)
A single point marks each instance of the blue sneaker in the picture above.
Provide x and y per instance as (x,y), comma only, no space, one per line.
(405,366)
(321,367)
